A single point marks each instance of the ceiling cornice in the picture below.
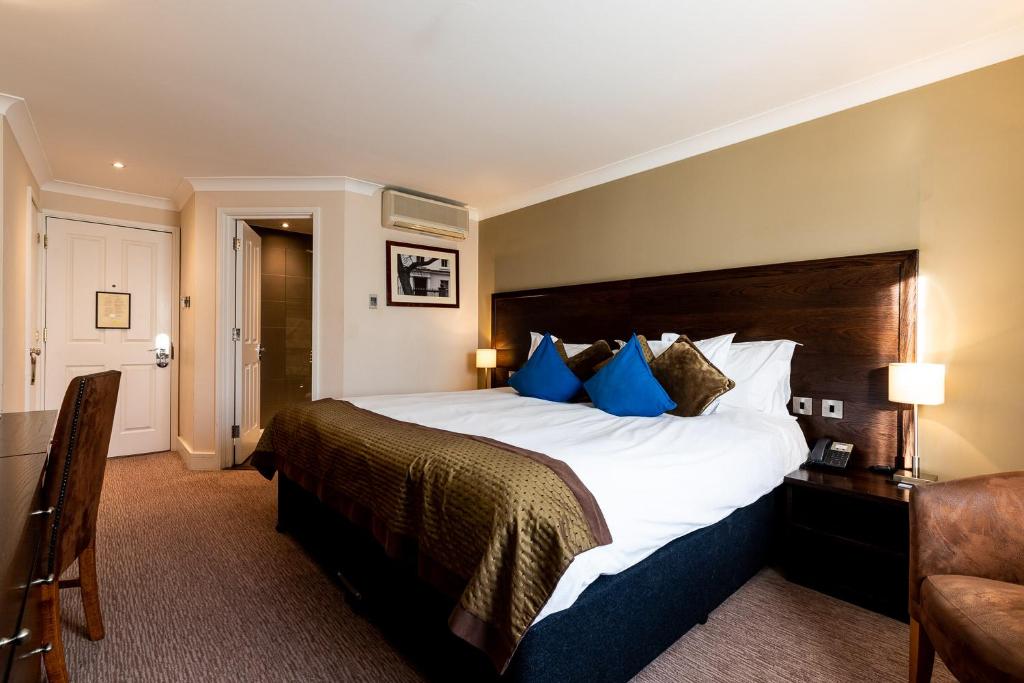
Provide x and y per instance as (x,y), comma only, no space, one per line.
(119,196)
(986,51)
(15,110)
(276,184)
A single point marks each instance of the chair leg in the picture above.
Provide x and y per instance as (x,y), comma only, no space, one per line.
(90,592)
(56,667)
(922,654)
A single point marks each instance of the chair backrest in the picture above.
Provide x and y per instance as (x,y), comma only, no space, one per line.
(75,466)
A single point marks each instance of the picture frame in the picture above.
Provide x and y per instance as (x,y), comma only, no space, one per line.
(113,310)
(422,275)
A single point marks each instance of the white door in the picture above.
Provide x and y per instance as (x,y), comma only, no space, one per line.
(247,387)
(82,259)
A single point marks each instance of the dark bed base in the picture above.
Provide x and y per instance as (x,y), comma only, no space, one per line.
(616,627)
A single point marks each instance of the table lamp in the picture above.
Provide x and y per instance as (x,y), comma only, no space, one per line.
(917,384)
(487,359)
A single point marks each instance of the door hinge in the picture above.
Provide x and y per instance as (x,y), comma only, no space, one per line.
(236,243)
(45,335)
(46,241)
(236,431)
(236,334)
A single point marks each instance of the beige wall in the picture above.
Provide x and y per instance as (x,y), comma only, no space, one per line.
(396,349)
(939,168)
(17,178)
(360,351)
(58,201)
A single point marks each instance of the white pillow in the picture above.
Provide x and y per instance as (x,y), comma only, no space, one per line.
(761,372)
(570,349)
(715,349)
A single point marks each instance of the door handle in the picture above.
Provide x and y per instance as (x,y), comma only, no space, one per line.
(33,354)
(163,357)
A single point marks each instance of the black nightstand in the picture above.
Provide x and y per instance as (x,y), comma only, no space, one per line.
(846,533)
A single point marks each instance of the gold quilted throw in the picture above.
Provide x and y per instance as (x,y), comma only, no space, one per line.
(503,521)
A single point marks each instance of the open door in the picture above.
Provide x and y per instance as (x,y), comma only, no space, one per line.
(249,350)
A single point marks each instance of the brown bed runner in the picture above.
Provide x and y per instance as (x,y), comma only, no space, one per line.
(505,520)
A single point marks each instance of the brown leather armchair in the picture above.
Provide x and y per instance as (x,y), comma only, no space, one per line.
(967,578)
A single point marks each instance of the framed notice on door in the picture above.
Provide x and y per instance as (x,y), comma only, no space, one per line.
(113,310)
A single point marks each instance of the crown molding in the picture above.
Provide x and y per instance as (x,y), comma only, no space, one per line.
(119,196)
(983,52)
(275,184)
(15,110)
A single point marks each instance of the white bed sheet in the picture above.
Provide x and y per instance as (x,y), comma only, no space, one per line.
(656,479)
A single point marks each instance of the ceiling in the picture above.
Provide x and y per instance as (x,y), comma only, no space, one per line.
(303,225)
(492,103)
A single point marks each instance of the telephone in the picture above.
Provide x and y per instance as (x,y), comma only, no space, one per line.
(829,453)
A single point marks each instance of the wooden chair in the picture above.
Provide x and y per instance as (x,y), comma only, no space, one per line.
(72,484)
(967,578)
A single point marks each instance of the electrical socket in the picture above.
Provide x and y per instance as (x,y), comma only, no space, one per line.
(832,408)
(802,406)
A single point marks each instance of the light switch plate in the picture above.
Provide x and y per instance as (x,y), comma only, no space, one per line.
(802,406)
(832,408)
(373,301)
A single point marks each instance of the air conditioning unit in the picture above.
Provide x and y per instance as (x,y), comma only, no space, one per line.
(427,216)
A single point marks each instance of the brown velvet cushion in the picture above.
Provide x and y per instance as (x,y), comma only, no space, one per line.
(585,363)
(976,625)
(689,378)
(645,349)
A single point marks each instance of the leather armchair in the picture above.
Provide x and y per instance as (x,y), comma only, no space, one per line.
(967,578)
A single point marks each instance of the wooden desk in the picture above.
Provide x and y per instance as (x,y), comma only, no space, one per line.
(24,440)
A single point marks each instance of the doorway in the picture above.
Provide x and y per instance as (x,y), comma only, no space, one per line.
(107,306)
(274,319)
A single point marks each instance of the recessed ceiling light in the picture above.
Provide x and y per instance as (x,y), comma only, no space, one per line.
(284,225)
(118,164)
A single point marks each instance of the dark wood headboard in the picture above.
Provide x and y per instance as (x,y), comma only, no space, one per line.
(854,315)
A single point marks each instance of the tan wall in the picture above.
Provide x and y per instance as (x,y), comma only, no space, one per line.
(186,342)
(938,168)
(17,178)
(58,201)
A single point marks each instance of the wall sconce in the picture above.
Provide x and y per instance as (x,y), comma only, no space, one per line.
(487,359)
(164,350)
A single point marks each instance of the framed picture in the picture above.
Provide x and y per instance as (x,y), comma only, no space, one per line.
(113,310)
(422,276)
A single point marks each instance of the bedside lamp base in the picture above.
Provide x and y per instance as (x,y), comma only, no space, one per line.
(922,479)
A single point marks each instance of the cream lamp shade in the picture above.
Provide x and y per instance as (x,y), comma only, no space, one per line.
(917,383)
(486,358)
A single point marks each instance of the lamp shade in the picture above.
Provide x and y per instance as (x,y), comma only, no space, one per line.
(917,383)
(486,358)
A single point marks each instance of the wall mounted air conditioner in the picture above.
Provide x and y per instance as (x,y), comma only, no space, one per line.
(427,216)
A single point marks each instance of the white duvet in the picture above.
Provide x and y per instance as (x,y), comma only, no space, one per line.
(655,478)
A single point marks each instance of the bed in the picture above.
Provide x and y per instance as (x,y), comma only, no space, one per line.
(689,502)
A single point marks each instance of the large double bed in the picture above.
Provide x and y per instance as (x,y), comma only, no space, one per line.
(655,521)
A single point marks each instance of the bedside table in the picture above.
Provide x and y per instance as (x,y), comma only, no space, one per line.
(847,534)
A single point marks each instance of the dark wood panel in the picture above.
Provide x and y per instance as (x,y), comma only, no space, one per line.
(853,316)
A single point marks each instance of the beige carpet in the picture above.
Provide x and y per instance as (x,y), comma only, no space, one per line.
(197,586)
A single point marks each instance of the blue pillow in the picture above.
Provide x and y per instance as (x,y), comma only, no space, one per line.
(626,386)
(546,375)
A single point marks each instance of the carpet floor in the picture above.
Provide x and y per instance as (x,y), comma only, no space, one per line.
(196,585)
